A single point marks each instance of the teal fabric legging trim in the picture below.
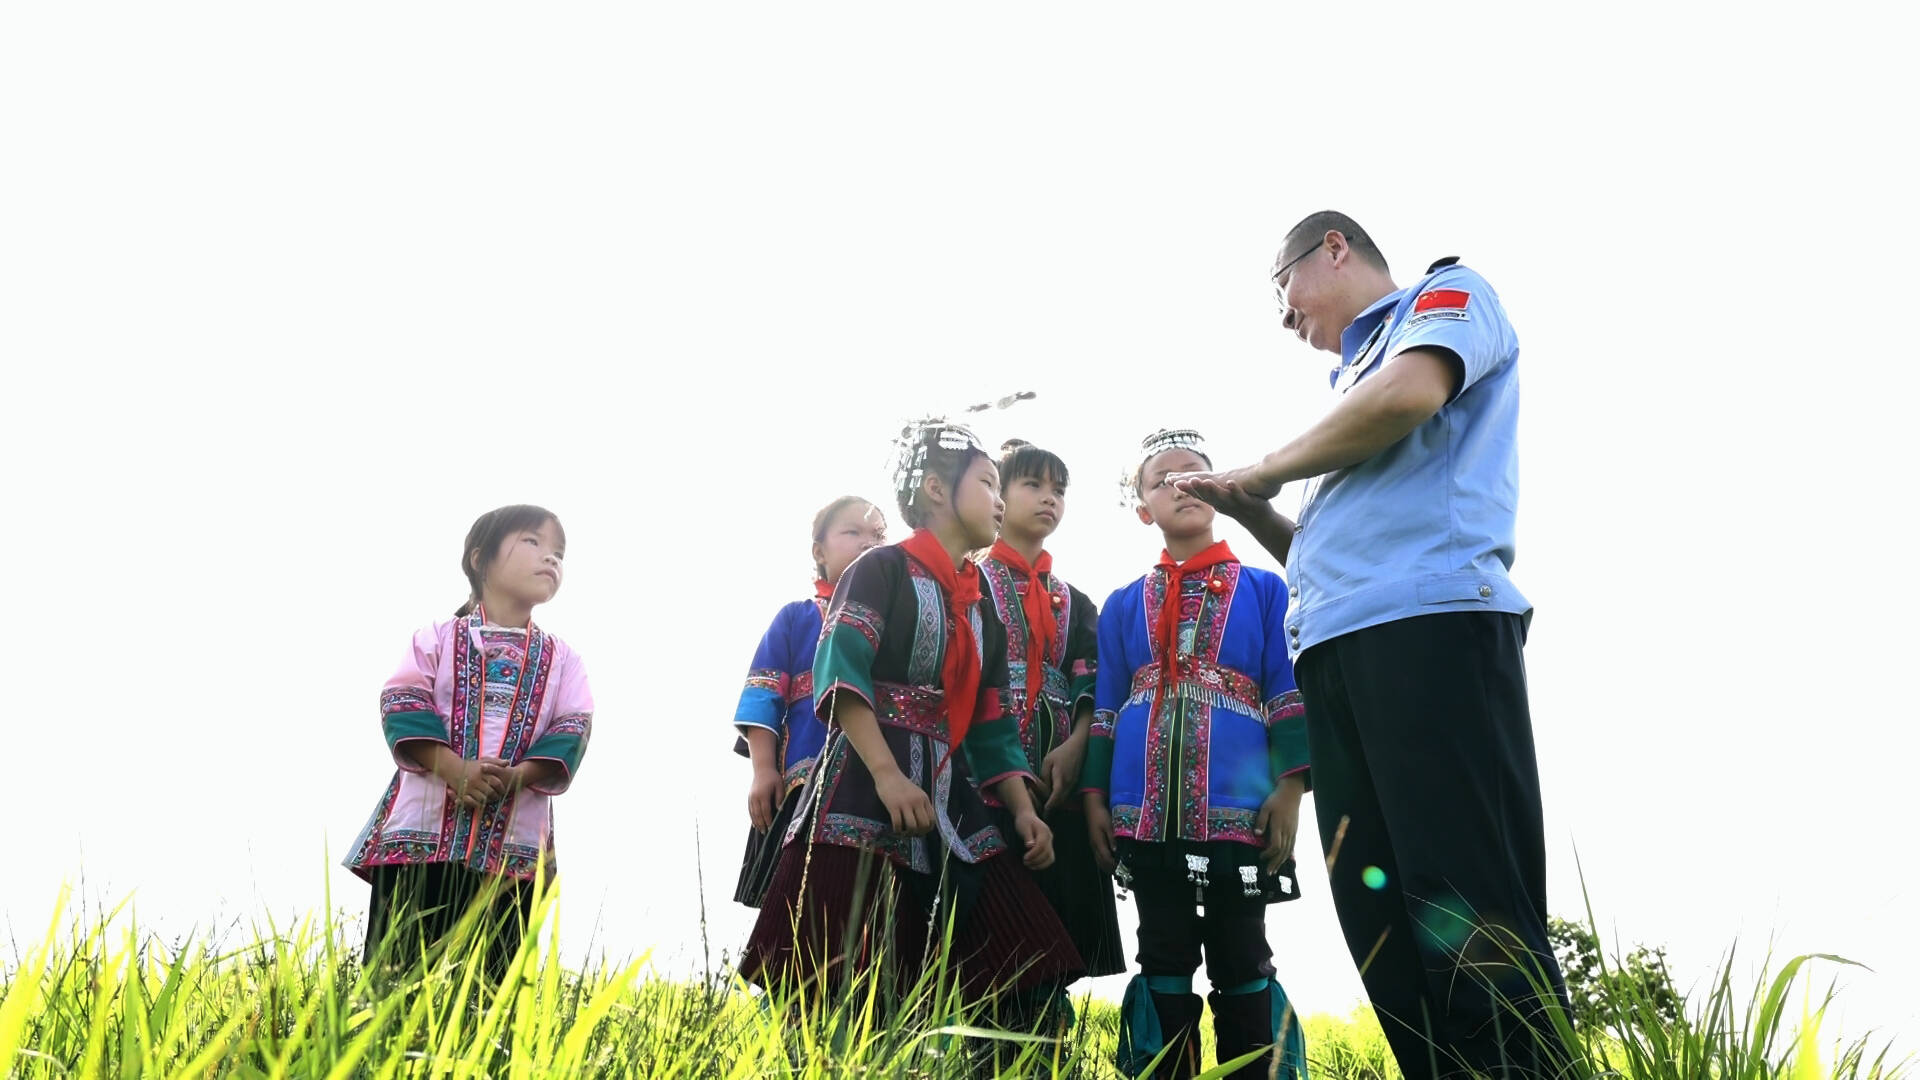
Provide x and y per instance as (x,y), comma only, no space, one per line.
(1141,1037)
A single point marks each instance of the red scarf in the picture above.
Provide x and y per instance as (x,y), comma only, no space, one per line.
(1043,630)
(823,588)
(960,675)
(1168,627)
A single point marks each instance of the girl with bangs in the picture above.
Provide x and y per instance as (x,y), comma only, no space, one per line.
(486,720)
(778,730)
(1052,656)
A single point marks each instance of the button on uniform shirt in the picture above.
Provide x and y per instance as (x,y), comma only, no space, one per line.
(1427,524)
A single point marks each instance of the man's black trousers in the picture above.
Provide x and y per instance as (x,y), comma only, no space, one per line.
(1428,799)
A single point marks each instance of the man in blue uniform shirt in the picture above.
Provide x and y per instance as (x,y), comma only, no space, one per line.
(1406,635)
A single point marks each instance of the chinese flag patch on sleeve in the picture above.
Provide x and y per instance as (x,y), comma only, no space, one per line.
(1440,299)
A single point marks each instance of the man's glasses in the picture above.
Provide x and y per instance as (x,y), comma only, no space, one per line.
(1279,293)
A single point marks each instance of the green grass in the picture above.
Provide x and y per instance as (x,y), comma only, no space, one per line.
(96,997)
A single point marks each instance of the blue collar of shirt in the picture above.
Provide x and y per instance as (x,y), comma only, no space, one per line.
(1355,336)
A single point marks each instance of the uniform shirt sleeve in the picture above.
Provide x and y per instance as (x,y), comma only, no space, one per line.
(763,701)
(407,712)
(1457,312)
(1285,715)
(1111,684)
(850,634)
(564,742)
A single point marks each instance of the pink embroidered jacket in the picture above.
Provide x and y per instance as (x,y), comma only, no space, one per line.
(484,691)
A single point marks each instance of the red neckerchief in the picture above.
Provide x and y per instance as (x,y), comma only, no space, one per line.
(823,588)
(1043,630)
(960,674)
(1167,629)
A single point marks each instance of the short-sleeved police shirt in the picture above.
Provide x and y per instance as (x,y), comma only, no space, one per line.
(1427,524)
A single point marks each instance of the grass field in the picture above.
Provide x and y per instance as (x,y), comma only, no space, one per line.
(96,997)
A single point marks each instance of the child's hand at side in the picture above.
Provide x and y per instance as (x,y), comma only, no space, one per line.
(908,808)
(1100,831)
(1034,833)
(1037,838)
(1279,822)
(763,797)
(1060,769)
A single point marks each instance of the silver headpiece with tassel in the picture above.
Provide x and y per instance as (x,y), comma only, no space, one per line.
(916,439)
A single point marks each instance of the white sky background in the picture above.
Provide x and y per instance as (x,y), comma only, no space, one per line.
(287,298)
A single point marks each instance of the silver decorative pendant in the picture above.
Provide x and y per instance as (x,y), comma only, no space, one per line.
(1250,881)
(1197,870)
(1124,878)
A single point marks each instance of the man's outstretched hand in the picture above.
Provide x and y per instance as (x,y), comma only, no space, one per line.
(1237,493)
(1245,496)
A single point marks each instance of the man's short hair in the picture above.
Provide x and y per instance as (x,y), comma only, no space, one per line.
(1313,227)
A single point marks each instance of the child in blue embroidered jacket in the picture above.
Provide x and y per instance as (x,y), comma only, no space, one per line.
(1195,769)
(778,730)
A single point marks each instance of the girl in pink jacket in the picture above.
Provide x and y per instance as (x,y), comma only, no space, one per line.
(487,720)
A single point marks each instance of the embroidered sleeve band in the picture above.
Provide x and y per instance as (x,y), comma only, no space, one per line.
(416,726)
(845,657)
(993,747)
(1080,687)
(1287,736)
(564,744)
(760,706)
(1097,773)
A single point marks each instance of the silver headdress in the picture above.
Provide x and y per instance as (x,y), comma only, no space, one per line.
(1152,446)
(916,439)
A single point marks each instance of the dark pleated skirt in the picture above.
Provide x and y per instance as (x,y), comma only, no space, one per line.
(833,912)
(763,854)
(415,907)
(1077,890)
